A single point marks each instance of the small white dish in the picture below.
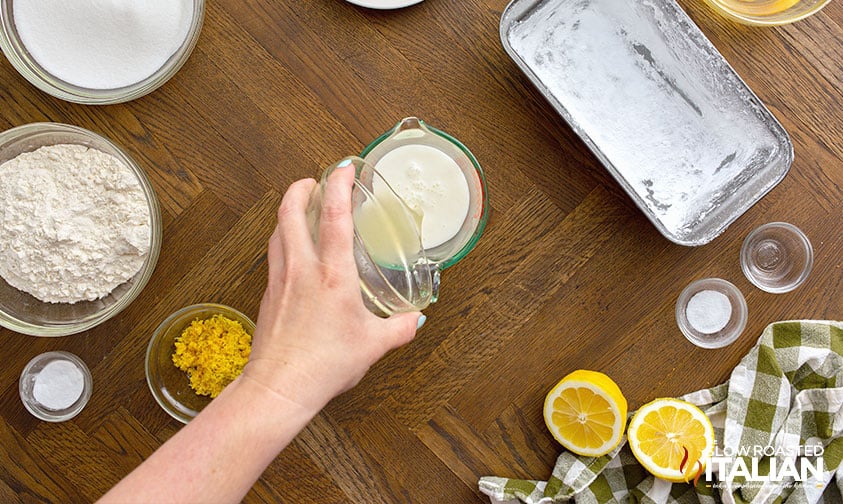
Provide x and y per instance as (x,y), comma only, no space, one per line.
(384,4)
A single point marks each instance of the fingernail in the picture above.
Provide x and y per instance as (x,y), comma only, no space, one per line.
(421,322)
(344,163)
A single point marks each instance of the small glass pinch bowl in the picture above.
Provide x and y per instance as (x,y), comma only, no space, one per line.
(26,387)
(24,313)
(711,331)
(170,386)
(31,70)
(777,257)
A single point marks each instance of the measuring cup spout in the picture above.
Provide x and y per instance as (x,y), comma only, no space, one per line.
(411,124)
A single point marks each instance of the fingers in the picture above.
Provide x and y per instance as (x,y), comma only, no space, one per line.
(336,228)
(401,328)
(292,233)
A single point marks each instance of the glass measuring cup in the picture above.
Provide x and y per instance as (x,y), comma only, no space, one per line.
(412,131)
(395,274)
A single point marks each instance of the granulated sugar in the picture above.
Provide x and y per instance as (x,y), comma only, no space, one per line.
(102,44)
(75,223)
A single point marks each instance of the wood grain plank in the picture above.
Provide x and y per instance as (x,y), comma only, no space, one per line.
(83,467)
(126,440)
(8,495)
(465,451)
(295,477)
(518,437)
(331,448)
(310,53)
(386,439)
(31,476)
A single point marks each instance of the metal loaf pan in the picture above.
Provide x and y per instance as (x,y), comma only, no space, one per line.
(657,104)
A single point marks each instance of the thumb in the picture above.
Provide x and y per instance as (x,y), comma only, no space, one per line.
(402,328)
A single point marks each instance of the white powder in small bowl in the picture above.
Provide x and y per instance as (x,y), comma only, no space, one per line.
(709,311)
(58,385)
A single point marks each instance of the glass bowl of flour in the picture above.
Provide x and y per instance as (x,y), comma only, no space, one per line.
(103,52)
(80,231)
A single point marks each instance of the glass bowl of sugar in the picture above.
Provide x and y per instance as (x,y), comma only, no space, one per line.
(81,232)
(55,386)
(99,52)
(711,313)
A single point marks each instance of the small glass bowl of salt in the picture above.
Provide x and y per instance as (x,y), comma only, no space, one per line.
(55,386)
(711,313)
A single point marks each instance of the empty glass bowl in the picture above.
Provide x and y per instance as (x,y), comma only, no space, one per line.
(170,386)
(777,257)
(24,313)
(23,61)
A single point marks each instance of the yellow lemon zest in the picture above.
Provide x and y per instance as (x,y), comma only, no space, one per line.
(213,353)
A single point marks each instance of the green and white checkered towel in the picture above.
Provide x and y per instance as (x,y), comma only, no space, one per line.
(778,425)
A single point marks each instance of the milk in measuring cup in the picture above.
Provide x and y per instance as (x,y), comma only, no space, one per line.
(431,183)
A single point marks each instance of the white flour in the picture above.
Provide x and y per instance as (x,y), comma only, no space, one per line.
(74,223)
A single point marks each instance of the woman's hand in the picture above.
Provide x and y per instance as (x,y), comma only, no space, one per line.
(315,338)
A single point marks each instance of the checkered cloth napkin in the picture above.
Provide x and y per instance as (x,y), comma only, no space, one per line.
(777,416)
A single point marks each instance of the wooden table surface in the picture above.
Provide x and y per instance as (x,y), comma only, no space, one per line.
(569,273)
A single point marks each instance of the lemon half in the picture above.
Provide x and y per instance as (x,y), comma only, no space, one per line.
(586,413)
(672,439)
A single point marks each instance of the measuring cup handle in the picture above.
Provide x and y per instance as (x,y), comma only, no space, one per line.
(434,277)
